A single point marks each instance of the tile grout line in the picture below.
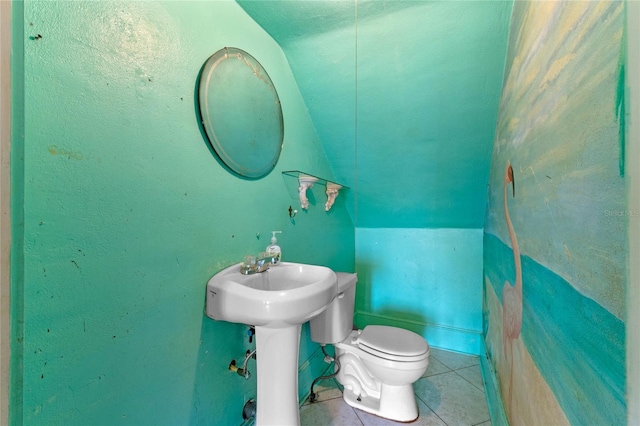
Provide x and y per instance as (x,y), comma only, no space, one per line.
(455,370)
(357,416)
(432,410)
(470,382)
(481,390)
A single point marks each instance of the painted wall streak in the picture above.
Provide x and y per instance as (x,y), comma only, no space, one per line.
(559,128)
(128,214)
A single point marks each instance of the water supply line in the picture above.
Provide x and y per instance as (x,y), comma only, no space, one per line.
(243,371)
(327,358)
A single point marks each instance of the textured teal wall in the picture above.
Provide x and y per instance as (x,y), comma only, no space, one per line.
(428,88)
(16,293)
(557,343)
(426,280)
(429,78)
(319,39)
(404,96)
(127,214)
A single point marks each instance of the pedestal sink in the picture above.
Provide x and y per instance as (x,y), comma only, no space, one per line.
(277,302)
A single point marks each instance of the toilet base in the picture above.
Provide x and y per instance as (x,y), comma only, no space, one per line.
(397,403)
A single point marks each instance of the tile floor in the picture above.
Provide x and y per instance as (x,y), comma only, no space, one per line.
(451,392)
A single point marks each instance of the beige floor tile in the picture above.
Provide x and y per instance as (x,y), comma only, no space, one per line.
(473,375)
(426,418)
(334,412)
(453,399)
(454,360)
(450,393)
(326,390)
(435,367)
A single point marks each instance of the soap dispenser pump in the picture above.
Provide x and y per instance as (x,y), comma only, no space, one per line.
(274,249)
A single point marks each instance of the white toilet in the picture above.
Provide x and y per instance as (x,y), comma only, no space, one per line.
(378,364)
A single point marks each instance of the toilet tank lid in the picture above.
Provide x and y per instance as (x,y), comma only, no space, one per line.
(346,280)
(393,340)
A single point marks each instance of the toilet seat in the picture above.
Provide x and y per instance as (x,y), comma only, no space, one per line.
(392,343)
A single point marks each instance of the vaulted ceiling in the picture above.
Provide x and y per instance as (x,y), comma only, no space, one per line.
(404,96)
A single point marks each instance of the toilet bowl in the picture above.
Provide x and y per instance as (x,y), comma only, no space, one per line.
(377,365)
(378,372)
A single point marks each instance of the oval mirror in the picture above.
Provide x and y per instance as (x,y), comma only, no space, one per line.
(241,112)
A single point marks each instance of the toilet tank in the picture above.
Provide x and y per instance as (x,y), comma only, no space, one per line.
(336,322)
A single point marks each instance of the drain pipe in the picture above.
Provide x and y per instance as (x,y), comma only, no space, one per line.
(249,409)
(327,358)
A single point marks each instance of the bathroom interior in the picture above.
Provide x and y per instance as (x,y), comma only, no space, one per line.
(116,210)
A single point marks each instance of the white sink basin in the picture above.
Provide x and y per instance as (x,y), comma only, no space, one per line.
(286,294)
(277,302)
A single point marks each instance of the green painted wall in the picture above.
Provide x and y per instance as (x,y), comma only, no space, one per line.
(425,280)
(404,96)
(429,79)
(127,214)
(16,293)
(318,38)
(557,343)
(428,88)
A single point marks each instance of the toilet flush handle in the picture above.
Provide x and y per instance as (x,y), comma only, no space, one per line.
(341,295)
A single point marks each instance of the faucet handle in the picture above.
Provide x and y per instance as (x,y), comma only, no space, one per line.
(249,265)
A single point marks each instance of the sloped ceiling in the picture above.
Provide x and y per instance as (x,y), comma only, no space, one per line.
(404,96)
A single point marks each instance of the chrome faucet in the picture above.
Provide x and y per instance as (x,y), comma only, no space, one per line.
(255,264)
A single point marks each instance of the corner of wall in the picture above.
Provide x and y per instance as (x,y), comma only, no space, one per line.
(633,167)
(492,391)
(12,231)
(5,216)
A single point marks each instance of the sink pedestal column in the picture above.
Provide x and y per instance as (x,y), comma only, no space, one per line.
(277,367)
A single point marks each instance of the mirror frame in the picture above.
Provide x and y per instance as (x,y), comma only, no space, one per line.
(241,112)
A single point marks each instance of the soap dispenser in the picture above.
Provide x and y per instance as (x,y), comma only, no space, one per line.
(274,249)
